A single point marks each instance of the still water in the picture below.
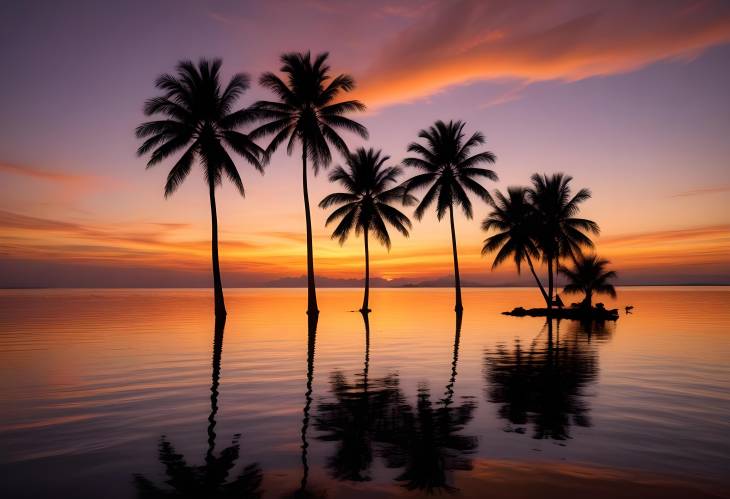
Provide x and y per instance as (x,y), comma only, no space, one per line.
(135,393)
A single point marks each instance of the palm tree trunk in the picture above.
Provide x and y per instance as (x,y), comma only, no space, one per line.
(542,289)
(550,283)
(365,299)
(220,306)
(457,281)
(556,284)
(311,289)
(588,300)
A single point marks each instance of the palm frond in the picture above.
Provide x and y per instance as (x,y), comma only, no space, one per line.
(180,171)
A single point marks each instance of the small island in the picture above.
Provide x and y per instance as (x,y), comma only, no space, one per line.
(597,313)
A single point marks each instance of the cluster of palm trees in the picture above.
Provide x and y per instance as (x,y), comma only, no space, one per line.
(197,118)
(540,223)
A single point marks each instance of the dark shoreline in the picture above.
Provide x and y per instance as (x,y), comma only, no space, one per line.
(573,313)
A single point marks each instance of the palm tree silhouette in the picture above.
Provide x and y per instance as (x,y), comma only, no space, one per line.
(211,478)
(196,115)
(558,232)
(515,219)
(365,206)
(448,171)
(589,275)
(307,113)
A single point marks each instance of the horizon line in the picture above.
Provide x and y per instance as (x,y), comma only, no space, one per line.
(405,286)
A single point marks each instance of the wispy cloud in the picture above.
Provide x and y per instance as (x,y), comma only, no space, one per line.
(702,191)
(469,40)
(668,250)
(510,95)
(154,243)
(670,236)
(47,175)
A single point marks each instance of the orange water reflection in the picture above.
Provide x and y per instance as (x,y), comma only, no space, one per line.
(92,380)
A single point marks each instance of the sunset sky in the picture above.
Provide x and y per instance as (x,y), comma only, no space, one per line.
(630,98)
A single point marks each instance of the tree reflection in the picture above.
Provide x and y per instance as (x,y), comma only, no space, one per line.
(424,441)
(545,384)
(209,480)
(305,490)
(360,409)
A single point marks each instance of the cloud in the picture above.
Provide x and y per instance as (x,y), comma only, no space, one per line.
(460,42)
(711,232)
(47,175)
(154,244)
(702,191)
(667,251)
(297,237)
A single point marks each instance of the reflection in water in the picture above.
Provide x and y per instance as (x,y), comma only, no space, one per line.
(545,385)
(210,479)
(305,490)
(359,411)
(425,441)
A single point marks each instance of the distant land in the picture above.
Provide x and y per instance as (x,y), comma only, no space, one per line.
(378,282)
(375,282)
(30,274)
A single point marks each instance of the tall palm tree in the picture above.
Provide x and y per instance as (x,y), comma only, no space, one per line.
(196,116)
(514,217)
(308,113)
(366,204)
(559,233)
(448,171)
(589,275)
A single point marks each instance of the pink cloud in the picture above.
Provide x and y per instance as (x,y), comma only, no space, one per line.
(459,42)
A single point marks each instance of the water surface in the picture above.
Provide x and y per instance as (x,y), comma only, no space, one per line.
(135,393)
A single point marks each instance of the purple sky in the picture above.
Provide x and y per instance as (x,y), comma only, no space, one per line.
(629,98)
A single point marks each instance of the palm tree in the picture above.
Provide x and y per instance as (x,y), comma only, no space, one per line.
(449,171)
(558,232)
(589,275)
(196,116)
(514,217)
(364,207)
(307,113)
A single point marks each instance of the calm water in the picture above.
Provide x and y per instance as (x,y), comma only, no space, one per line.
(132,393)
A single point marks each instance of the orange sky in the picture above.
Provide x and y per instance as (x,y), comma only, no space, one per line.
(629,99)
